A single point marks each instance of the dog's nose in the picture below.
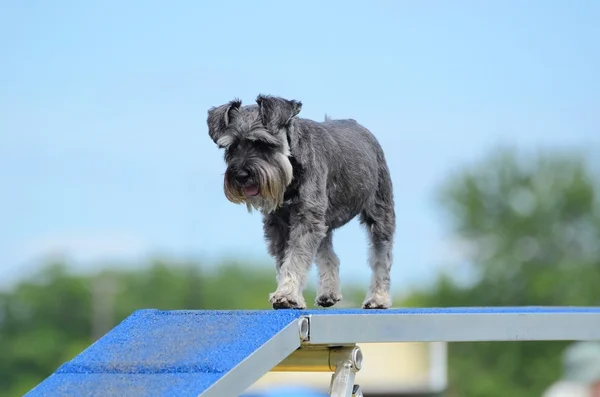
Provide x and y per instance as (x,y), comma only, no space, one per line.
(242,175)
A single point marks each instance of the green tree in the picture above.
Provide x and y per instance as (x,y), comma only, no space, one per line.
(532,226)
(44,321)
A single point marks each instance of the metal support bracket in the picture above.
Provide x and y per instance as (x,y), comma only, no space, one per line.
(348,363)
(344,361)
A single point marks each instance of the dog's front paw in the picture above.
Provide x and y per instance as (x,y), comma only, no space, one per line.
(285,301)
(377,301)
(328,299)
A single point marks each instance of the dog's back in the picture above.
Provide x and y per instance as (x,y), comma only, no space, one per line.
(354,162)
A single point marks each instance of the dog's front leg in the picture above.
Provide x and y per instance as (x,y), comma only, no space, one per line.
(307,229)
(276,229)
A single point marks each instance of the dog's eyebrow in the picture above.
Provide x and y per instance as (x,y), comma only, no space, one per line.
(225,141)
(261,134)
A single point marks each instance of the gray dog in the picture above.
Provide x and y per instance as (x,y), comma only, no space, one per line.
(308,179)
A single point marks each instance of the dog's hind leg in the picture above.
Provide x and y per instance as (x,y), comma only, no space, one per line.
(380,220)
(328,265)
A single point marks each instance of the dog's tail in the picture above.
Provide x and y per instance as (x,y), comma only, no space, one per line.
(327,118)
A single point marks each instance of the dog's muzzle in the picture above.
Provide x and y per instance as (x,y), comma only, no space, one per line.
(243,179)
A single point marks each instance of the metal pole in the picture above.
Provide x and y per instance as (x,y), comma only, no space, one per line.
(347,363)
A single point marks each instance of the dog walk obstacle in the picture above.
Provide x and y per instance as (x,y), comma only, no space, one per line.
(222,353)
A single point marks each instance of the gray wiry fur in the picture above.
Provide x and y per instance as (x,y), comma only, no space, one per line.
(307,178)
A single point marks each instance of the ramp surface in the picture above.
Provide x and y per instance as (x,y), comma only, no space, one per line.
(173,353)
(221,353)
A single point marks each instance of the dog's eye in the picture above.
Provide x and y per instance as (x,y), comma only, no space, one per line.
(232,147)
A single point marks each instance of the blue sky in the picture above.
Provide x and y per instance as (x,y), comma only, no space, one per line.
(104,151)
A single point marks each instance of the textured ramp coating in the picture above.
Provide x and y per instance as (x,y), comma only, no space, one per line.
(163,353)
(152,341)
(108,385)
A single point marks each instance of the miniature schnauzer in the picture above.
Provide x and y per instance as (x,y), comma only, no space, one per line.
(307,178)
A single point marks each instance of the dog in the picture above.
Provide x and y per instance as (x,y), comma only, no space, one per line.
(307,178)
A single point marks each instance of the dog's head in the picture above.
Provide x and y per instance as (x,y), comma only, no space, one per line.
(256,141)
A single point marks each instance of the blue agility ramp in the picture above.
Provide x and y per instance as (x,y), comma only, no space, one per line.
(222,353)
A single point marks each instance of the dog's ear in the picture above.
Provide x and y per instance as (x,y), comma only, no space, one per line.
(220,117)
(277,112)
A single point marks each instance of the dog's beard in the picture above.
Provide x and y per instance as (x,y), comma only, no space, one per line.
(272,179)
